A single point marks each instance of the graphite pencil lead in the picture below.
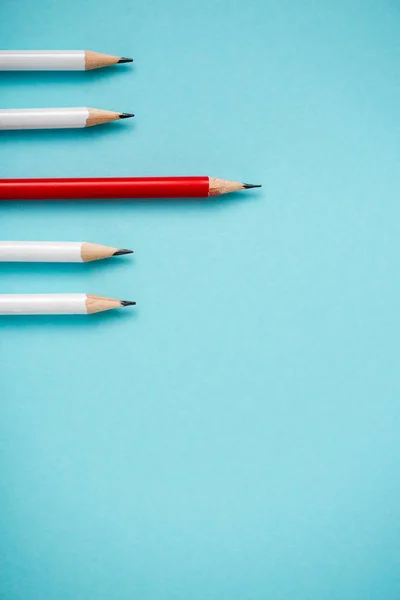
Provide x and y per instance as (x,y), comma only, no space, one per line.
(126,115)
(122,251)
(123,59)
(248,186)
(127,303)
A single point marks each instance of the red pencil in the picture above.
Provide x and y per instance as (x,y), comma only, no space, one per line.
(117,187)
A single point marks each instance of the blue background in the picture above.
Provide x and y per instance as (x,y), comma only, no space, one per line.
(237,435)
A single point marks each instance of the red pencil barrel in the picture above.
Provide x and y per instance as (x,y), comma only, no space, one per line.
(115,187)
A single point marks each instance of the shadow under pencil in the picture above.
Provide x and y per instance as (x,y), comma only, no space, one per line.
(142,204)
(53,269)
(32,136)
(12,322)
(22,78)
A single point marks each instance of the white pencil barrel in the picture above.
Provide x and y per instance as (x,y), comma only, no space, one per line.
(40,252)
(43,304)
(42,60)
(43,118)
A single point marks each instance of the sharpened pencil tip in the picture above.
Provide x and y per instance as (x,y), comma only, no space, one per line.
(122,251)
(127,303)
(123,59)
(126,115)
(248,186)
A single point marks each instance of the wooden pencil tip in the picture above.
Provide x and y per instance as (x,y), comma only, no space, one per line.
(122,251)
(127,303)
(123,59)
(248,186)
(126,115)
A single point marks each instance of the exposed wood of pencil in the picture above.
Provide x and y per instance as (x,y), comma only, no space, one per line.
(98,117)
(97,60)
(90,252)
(218,187)
(95,304)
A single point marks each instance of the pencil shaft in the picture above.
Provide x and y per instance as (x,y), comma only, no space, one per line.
(44,118)
(102,188)
(42,60)
(41,251)
(43,304)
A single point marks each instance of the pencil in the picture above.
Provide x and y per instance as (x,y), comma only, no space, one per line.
(56,60)
(118,187)
(57,118)
(57,304)
(57,252)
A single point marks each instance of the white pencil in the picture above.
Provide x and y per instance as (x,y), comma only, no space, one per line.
(56,118)
(57,251)
(57,304)
(56,60)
